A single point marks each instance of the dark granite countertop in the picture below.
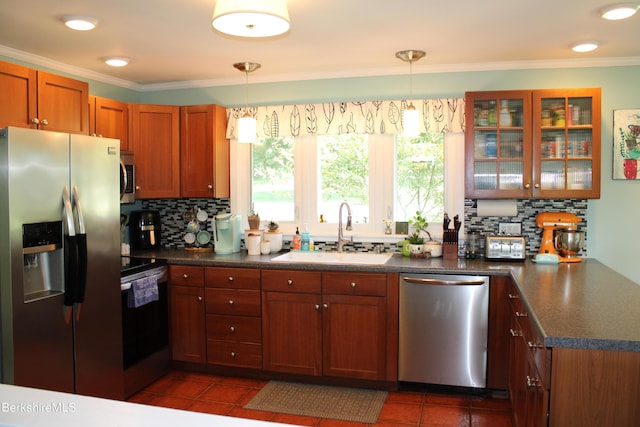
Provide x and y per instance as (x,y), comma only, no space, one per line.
(578,305)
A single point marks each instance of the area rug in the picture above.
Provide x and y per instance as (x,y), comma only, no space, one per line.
(340,403)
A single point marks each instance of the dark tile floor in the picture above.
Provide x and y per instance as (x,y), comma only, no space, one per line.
(227,395)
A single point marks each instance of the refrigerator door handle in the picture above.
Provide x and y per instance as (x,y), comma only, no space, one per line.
(70,256)
(81,238)
(124,179)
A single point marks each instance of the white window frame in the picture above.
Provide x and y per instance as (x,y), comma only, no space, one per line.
(381,185)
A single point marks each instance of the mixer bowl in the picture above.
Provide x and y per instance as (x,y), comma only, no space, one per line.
(568,243)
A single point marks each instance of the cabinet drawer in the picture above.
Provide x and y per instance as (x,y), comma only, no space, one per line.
(292,281)
(372,284)
(232,353)
(237,278)
(238,302)
(234,328)
(186,275)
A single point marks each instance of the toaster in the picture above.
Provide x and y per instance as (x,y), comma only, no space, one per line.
(503,247)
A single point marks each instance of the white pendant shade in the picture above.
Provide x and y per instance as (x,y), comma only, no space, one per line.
(251,18)
(247,129)
(411,122)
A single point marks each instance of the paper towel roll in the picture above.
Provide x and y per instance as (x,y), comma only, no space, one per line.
(507,207)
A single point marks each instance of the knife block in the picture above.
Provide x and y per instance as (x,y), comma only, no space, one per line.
(450,251)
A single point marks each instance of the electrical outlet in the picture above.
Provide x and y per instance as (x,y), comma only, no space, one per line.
(511,228)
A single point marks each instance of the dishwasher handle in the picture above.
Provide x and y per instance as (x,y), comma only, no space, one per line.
(442,282)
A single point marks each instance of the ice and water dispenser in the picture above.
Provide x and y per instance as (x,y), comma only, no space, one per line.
(43,260)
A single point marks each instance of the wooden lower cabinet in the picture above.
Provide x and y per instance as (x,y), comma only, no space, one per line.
(186,314)
(233,313)
(325,324)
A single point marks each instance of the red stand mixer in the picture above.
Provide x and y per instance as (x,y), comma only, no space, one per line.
(560,236)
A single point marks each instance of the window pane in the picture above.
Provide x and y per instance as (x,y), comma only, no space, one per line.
(343,164)
(272,179)
(419,171)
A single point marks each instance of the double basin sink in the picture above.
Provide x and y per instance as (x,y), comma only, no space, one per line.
(358,258)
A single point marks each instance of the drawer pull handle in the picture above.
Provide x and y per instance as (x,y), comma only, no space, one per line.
(515,333)
(512,296)
(231,302)
(231,278)
(534,345)
(232,328)
(518,314)
(354,284)
(532,382)
(290,282)
(233,354)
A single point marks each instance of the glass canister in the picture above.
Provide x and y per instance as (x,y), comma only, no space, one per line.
(473,248)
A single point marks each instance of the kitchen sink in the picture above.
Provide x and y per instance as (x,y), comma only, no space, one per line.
(319,257)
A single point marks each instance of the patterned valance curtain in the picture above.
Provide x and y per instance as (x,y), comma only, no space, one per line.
(333,118)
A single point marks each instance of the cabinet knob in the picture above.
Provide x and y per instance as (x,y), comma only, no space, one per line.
(185,276)
(231,302)
(527,186)
(515,333)
(532,382)
(317,306)
(534,345)
(35,121)
(44,122)
(512,296)
(233,354)
(353,284)
(536,186)
(290,282)
(137,188)
(325,306)
(199,298)
(518,314)
(232,328)
(210,187)
(231,279)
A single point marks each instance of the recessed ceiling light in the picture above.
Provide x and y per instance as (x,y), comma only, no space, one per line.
(619,11)
(586,46)
(116,61)
(80,23)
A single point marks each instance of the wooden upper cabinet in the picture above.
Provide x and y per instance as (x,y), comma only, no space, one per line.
(19,100)
(541,144)
(41,100)
(110,118)
(204,151)
(155,139)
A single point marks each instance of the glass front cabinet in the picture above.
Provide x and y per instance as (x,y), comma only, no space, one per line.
(533,144)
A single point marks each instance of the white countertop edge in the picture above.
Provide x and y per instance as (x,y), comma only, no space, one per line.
(28,407)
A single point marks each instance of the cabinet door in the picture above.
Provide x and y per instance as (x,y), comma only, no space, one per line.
(204,151)
(292,333)
(566,143)
(354,337)
(187,320)
(63,104)
(155,138)
(499,334)
(498,144)
(111,120)
(18,88)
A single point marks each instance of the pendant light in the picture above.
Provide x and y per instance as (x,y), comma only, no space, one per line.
(247,125)
(251,18)
(410,116)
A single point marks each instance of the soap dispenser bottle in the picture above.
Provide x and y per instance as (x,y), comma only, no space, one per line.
(296,240)
(305,238)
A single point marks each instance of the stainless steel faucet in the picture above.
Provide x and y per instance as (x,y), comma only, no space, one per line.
(341,240)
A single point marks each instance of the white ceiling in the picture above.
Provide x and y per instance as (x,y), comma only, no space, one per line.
(171,42)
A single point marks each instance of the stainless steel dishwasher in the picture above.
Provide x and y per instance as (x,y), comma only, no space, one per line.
(443,329)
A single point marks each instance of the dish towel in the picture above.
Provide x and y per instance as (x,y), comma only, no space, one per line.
(143,291)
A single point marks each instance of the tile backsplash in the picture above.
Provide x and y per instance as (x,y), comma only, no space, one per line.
(174,226)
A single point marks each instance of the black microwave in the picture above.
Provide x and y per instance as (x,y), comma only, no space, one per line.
(127,178)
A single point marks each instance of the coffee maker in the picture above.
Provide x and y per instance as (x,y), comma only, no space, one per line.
(560,235)
(226,230)
(144,229)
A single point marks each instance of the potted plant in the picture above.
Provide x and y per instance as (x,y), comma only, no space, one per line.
(416,241)
(272,226)
(419,223)
(254,220)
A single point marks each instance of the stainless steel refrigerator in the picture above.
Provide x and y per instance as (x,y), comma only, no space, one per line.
(60,304)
